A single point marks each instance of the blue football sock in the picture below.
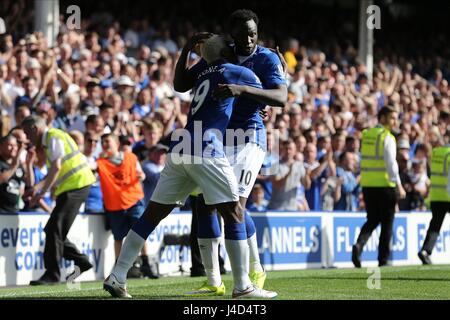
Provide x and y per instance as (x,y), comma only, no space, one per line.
(249,225)
(208,226)
(143,228)
(235,231)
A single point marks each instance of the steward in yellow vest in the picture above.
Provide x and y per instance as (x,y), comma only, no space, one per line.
(373,167)
(380,183)
(439,199)
(75,172)
(70,177)
(440,165)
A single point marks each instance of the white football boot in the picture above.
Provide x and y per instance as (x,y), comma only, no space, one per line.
(253,292)
(115,288)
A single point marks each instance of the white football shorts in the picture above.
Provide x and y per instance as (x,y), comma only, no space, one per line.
(246,161)
(181,176)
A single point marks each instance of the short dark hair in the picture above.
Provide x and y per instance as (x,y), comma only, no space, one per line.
(287,142)
(322,138)
(444,115)
(105,106)
(342,156)
(307,132)
(11,131)
(91,118)
(6,138)
(107,135)
(385,111)
(125,140)
(242,16)
(20,107)
(28,78)
(349,139)
(337,134)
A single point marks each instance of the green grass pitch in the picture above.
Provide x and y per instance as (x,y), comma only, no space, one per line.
(412,282)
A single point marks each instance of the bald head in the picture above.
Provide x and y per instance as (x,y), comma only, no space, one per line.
(310,152)
(212,49)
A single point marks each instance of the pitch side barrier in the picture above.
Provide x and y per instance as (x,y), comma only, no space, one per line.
(287,240)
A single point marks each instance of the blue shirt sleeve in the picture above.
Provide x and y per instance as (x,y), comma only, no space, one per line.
(197,68)
(248,78)
(273,74)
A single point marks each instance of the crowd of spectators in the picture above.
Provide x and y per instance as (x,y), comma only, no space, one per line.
(119,81)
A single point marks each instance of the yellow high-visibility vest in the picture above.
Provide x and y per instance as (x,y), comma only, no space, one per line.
(440,163)
(196,192)
(373,168)
(75,172)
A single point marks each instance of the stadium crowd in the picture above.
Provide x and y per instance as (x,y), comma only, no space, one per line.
(114,79)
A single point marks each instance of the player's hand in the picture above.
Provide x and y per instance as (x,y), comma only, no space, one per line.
(197,38)
(282,60)
(225,91)
(264,113)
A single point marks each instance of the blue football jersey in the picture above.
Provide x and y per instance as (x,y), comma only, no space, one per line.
(208,118)
(267,67)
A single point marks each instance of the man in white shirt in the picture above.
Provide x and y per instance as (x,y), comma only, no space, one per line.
(381,184)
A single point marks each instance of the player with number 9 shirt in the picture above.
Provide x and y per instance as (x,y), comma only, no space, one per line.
(212,174)
(247,157)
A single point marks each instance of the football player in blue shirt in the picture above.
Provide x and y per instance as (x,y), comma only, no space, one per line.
(247,157)
(196,159)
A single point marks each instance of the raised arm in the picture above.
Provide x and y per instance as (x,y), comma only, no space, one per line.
(183,79)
